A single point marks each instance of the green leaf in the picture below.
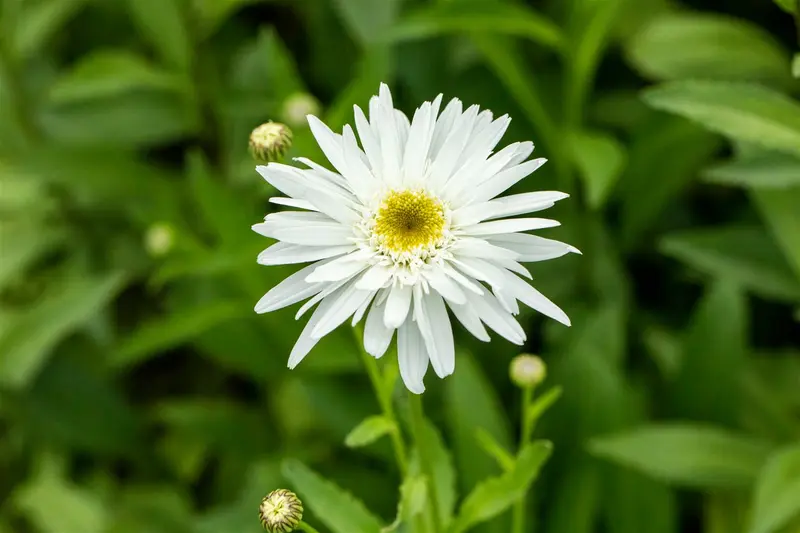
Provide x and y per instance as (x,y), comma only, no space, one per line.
(69,509)
(740,111)
(332,505)
(708,383)
(21,243)
(790,6)
(745,255)
(467,17)
(163,333)
(212,13)
(654,177)
(600,159)
(413,496)
(781,211)
(634,503)
(72,405)
(760,170)
(367,20)
(24,348)
(369,430)
(163,23)
(495,495)
(686,455)
(576,496)
(472,403)
(493,448)
(40,21)
(104,73)
(542,403)
(776,500)
(444,473)
(675,46)
(796,66)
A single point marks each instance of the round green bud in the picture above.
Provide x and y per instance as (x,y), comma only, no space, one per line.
(270,141)
(159,239)
(297,106)
(280,511)
(527,371)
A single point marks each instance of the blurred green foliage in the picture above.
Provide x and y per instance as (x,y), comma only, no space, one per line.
(140,393)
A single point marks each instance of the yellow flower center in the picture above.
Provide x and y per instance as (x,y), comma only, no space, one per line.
(408,220)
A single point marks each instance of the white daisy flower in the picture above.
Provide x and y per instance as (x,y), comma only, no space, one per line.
(408,227)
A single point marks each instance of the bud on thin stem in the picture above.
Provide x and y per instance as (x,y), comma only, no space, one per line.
(527,371)
(270,141)
(281,511)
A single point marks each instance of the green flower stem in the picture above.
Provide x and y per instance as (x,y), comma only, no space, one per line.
(384,400)
(426,462)
(308,529)
(518,513)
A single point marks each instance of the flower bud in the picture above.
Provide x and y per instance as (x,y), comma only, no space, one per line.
(297,106)
(270,141)
(159,239)
(280,511)
(527,371)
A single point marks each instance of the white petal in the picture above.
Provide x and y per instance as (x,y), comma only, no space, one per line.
(507,206)
(418,144)
(532,247)
(511,225)
(291,290)
(477,247)
(445,285)
(450,154)
(292,202)
(286,179)
(534,299)
(493,315)
(377,336)
(329,289)
(397,306)
(411,357)
(339,269)
(348,300)
(507,300)
(305,342)
(325,174)
(370,143)
(513,266)
(505,179)
(403,126)
(359,314)
(434,325)
(462,280)
(444,125)
(282,253)
(470,320)
(329,142)
(375,278)
(358,174)
(340,210)
(481,270)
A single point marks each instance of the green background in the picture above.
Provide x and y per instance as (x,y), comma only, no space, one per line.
(139,392)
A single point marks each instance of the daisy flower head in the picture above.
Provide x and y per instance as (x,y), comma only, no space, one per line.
(408,226)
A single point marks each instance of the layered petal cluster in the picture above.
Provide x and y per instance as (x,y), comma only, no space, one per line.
(408,226)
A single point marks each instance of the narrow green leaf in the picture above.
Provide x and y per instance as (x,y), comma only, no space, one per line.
(790,6)
(542,403)
(686,455)
(493,448)
(102,73)
(167,332)
(776,500)
(634,503)
(781,211)
(745,255)
(495,495)
(40,21)
(24,348)
(600,159)
(761,170)
(334,507)
(444,473)
(413,496)
(676,45)
(21,243)
(707,385)
(740,111)
(576,494)
(461,17)
(369,430)
(163,23)
(367,20)
(796,66)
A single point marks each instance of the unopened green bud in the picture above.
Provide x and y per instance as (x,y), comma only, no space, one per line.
(270,141)
(527,371)
(159,239)
(280,511)
(297,107)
